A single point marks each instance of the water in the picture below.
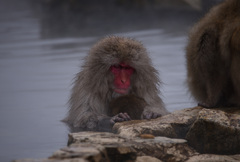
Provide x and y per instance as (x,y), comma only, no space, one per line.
(36,72)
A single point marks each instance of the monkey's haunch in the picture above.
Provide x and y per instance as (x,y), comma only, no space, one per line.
(213,57)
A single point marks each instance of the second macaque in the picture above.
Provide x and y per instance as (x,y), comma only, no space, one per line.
(129,104)
(213,57)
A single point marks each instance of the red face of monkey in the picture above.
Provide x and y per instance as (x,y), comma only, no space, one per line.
(122,77)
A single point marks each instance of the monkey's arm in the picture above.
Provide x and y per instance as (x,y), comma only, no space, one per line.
(235,40)
(152,112)
(150,115)
(104,123)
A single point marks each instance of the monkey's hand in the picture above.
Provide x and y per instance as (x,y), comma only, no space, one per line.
(150,115)
(120,118)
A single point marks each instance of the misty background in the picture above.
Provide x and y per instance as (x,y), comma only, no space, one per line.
(43,42)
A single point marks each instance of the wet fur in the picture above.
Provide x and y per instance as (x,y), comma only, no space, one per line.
(213,56)
(92,92)
(129,104)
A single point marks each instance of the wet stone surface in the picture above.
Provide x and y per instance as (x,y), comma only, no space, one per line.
(195,134)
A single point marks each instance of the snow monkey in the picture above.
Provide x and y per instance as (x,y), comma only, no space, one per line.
(213,57)
(115,66)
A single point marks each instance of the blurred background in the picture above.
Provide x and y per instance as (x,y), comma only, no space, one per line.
(43,42)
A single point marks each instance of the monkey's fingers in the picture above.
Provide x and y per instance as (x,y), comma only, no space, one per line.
(127,116)
(112,121)
(156,115)
(124,116)
(116,119)
(147,115)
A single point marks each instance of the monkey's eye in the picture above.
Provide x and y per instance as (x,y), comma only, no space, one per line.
(127,68)
(117,68)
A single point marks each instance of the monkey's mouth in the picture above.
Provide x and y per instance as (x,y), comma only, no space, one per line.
(121,90)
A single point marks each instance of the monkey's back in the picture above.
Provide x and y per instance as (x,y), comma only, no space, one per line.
(210,49)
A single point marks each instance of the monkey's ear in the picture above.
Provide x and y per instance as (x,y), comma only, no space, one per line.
(235,40)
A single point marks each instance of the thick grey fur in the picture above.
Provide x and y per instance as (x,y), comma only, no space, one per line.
(92,90)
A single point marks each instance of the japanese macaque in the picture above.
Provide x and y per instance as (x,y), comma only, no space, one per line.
(114,67)
(129,104)
(213,57)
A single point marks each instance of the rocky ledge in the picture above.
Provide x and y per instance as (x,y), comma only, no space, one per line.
(194,134)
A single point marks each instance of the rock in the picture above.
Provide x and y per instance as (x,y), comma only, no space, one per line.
(52,160)
(194,134)
(175,125)
(147,158)
(216,131)
(214,158)
(163,148)
(86,152)
(99,146)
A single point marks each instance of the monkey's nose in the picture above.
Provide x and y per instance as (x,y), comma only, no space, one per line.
(123,77)
(123,80)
